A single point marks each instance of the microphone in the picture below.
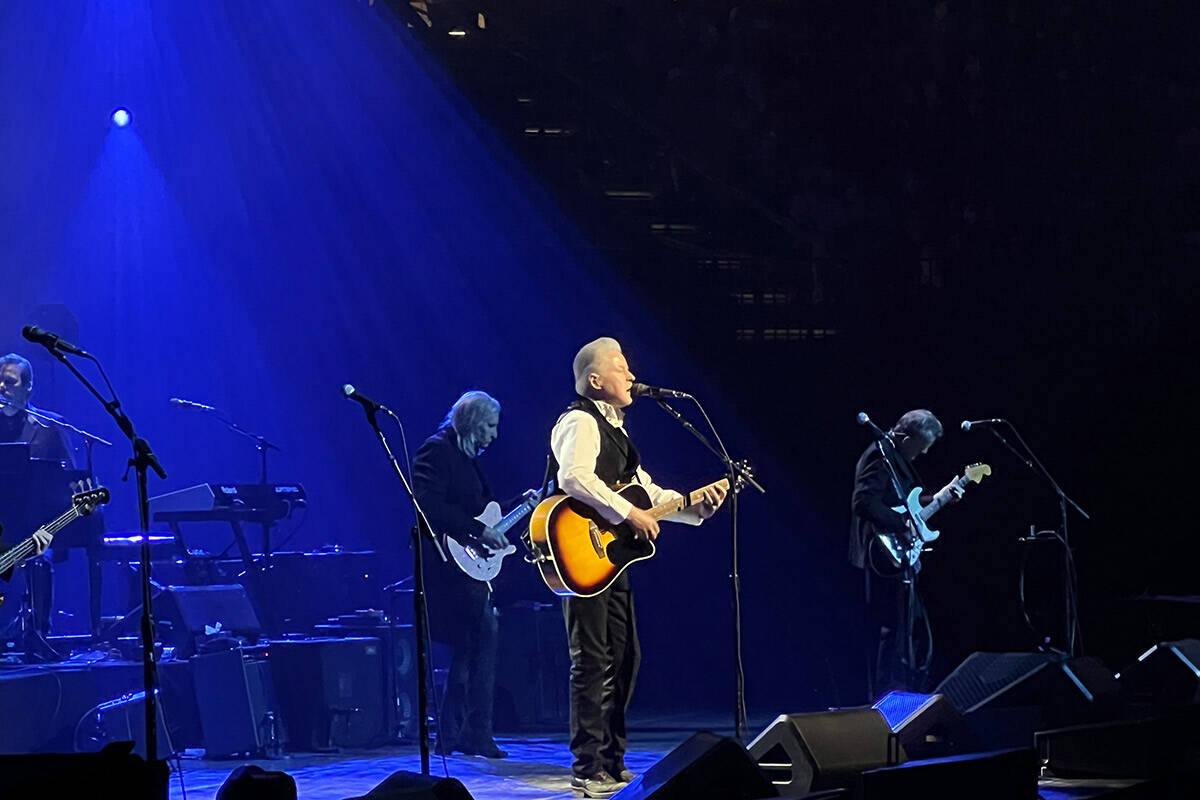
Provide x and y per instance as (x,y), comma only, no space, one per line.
(967,425)
(369,405)
(51,341)
(656,392)
(181,403)
(863,419)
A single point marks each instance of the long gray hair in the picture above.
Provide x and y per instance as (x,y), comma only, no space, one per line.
(466,417)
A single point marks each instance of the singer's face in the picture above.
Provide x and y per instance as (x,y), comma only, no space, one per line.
(612,380)
(13,388)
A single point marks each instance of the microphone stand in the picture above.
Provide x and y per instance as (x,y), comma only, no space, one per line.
(1030,459)
(143,458)
(422,527)
(738,472)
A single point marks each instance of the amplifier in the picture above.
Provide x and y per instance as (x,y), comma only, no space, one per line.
(332,692)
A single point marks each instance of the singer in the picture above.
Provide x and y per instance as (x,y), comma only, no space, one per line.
(593,451)
(883,469)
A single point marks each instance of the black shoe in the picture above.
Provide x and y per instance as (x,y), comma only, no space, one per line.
(487,750)
(599,785)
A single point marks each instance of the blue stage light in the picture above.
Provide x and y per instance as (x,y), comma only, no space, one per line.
(899,707)
(121,117)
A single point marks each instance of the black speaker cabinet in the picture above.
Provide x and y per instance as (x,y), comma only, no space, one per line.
(185,614)
(113,772)
(413,786)
(705,767)
(926,725)
(823,750)
(1000,775)
(1165,676)
(235,698)
(1005,697)
(1157,746)
(331,691)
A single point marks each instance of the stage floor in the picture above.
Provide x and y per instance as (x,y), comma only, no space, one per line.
(538,767)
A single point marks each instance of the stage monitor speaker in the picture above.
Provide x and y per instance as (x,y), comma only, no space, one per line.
(1143,748)
(331,691)
(823,750)
(927,725)
(1000,775)
(1165,676)
(705,767)
(113,772)
(1005,697)
(413,786)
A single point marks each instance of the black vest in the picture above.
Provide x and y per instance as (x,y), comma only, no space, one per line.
(618,459)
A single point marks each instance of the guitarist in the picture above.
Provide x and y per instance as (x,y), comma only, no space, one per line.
(593,452)
(452,490)
(884,468)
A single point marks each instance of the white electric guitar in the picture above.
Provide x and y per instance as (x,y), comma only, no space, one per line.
(476,559)
(904,548)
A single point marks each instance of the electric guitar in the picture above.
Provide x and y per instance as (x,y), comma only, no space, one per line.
(83,502)
(578,552)
(476,559)
(904,547)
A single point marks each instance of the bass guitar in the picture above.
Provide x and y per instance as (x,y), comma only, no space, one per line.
(904,547)
(476,559)
(83,502)
(578,552)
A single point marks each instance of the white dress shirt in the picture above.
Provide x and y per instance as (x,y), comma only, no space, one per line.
(575,442)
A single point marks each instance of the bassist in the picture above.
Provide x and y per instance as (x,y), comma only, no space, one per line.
(883,475)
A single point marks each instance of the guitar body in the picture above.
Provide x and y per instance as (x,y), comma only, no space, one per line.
(479,562)
(578,551)
(904,548)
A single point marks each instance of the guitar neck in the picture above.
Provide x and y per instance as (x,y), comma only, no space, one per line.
(28,547)
(939,499)
(513,517)
(687,501)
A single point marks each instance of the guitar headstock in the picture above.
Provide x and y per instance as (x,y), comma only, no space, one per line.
(86,497)
(976,472)
(744,473)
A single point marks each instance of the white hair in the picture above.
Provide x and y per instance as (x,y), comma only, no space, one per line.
(587,360)
(467,416)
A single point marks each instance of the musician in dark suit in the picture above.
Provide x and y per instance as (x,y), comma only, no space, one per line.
(18,425)
(452,491)
(593,452)
(890,593)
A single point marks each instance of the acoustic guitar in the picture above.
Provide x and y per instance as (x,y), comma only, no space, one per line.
(578,552)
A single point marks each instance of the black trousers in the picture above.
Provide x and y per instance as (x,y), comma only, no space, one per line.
(605,655)
(463,616)
(897,635)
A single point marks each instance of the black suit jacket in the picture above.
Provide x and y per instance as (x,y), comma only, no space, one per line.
(450,486)
(874,496)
